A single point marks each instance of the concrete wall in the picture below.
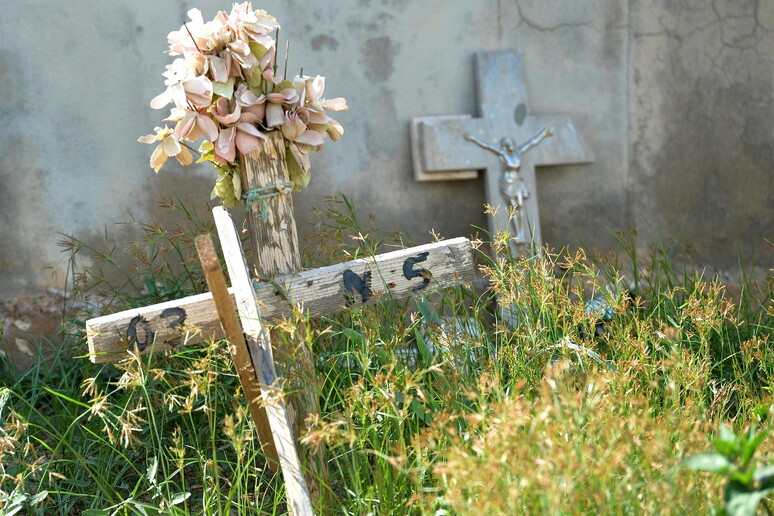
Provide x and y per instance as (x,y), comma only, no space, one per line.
(674,97)
(702,124)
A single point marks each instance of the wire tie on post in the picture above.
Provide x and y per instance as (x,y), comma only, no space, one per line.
(260,195)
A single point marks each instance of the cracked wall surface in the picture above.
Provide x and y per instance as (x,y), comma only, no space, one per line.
(702,125)
(673,97)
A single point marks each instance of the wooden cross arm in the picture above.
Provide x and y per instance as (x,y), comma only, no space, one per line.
(322,291)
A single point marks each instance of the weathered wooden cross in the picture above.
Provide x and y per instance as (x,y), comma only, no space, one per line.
(326,290)
(450,147)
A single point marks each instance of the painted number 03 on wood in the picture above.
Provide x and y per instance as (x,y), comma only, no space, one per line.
(322,291)
(176,317)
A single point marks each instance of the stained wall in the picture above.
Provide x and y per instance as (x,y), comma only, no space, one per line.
(673,96)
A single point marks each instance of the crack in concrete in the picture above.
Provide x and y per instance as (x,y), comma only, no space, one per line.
(540,28)
(748,40)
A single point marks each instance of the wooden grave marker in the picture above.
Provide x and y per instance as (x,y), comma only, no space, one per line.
(274,243)
(441,152)
(324,291)
(321,291)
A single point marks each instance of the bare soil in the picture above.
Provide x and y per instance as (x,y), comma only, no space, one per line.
(30,324)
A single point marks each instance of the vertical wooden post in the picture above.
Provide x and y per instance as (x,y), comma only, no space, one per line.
(273,234)
(274,242)
(237,346)
(259,347)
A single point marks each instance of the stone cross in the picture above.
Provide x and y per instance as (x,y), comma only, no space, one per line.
(457,147)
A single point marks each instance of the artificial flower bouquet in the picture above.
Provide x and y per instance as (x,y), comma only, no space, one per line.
(226,88)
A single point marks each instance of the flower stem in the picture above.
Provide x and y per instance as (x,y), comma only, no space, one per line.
(190,148)
(287,54)
(274,66)
(192,38)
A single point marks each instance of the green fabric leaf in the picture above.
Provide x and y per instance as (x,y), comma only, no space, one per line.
(258,50)
(207,151)
(224,188)
(236,182)
(298,176)
(224,89)
(283,85)
(254,80)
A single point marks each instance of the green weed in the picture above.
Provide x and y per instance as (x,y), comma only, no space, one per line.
(569,386)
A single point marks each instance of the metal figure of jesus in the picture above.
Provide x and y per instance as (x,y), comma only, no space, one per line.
(512,186)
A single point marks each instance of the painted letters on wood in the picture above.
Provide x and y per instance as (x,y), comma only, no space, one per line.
(322,291)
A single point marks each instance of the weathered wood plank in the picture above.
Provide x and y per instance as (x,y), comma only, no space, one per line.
(393,275)
(237,345)
(274,242)
(259,348)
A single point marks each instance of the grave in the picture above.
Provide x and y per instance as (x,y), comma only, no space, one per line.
(394,275)
(502,141)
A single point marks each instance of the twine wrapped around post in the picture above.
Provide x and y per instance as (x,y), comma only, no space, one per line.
(274,243)
(273,235)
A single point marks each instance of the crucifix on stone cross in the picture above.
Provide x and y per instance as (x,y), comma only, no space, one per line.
(503,141)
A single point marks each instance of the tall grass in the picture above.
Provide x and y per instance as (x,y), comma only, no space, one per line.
(583,396)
